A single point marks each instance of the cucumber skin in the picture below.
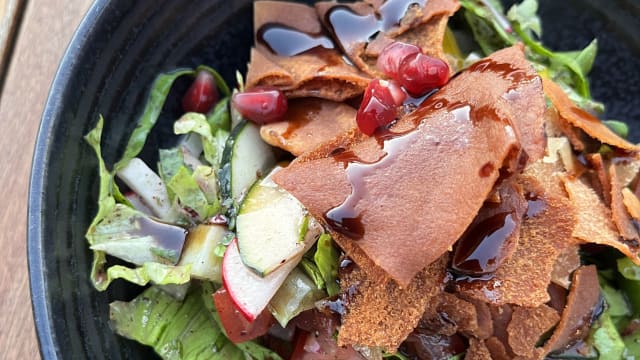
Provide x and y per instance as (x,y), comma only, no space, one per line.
(224,174)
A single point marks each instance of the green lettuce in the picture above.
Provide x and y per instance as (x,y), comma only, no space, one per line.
(157,97)
(176,330)
(106,203)
(213,144)
(125,233)
(493,30)
(191,196)
(327,259)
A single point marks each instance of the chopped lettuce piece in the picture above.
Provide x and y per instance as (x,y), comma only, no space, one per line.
(213,143)
(191,197)
(526,14)
(130,235)
(150,272)
(606,338)
(327,258)
(297,294)
(493,31)
(618,305)
(311,269)
(632,344)
(620,128)
(159,91)
(106,203)
(219,118)
(175,329)
(628,269)
(170,161)
(207,180)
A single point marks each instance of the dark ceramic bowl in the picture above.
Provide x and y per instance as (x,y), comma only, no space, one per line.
(114,56)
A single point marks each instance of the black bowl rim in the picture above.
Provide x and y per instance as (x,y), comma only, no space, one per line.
(49,120)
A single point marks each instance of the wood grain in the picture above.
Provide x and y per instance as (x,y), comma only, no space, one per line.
(10,11)
(45,30)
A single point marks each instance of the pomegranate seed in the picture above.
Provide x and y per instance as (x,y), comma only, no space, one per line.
(261,105)
(378,107)
(420,73)
(392,56)
(202,94)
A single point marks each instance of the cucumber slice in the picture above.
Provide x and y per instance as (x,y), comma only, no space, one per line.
(199,252)
(272,227)
(245,159)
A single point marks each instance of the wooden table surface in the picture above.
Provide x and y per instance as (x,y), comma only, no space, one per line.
(42,32)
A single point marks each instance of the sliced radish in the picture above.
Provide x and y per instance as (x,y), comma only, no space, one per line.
(251,293)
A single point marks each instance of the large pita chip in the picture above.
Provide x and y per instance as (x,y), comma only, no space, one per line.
(582,301)
(463,134)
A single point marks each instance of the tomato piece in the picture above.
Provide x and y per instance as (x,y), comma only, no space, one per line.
(237,327)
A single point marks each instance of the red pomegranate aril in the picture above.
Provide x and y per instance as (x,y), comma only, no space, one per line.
(392,56)
(420,73)
(261,105)
(378,107)
(201,95)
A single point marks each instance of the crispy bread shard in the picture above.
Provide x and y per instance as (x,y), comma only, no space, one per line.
(574,116)
(308,123)
(379,313)
(544,233)
(465,134)
(318,72)
(423,26)
(584,296)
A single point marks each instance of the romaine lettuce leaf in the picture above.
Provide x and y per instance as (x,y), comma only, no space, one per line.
(106,203)
(157,97)
(213,143)
(327,258)
(191,196)
(150,272)
(606,338)
(493,31)
(219,118)
(177,330)
(132,236)
(170,161)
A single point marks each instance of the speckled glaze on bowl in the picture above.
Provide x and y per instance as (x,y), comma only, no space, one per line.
(114,56)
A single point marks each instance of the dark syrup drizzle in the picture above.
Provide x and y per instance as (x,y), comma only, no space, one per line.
(285,41)
(350,28)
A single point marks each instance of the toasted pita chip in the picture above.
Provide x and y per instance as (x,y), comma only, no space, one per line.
(582,301)
(427,27)
(316,72)
(594,224)
(526,327)
(621,174)
(309,123)
(631,202)
(581,119)
(544,233)
(379,313)
(464,134)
